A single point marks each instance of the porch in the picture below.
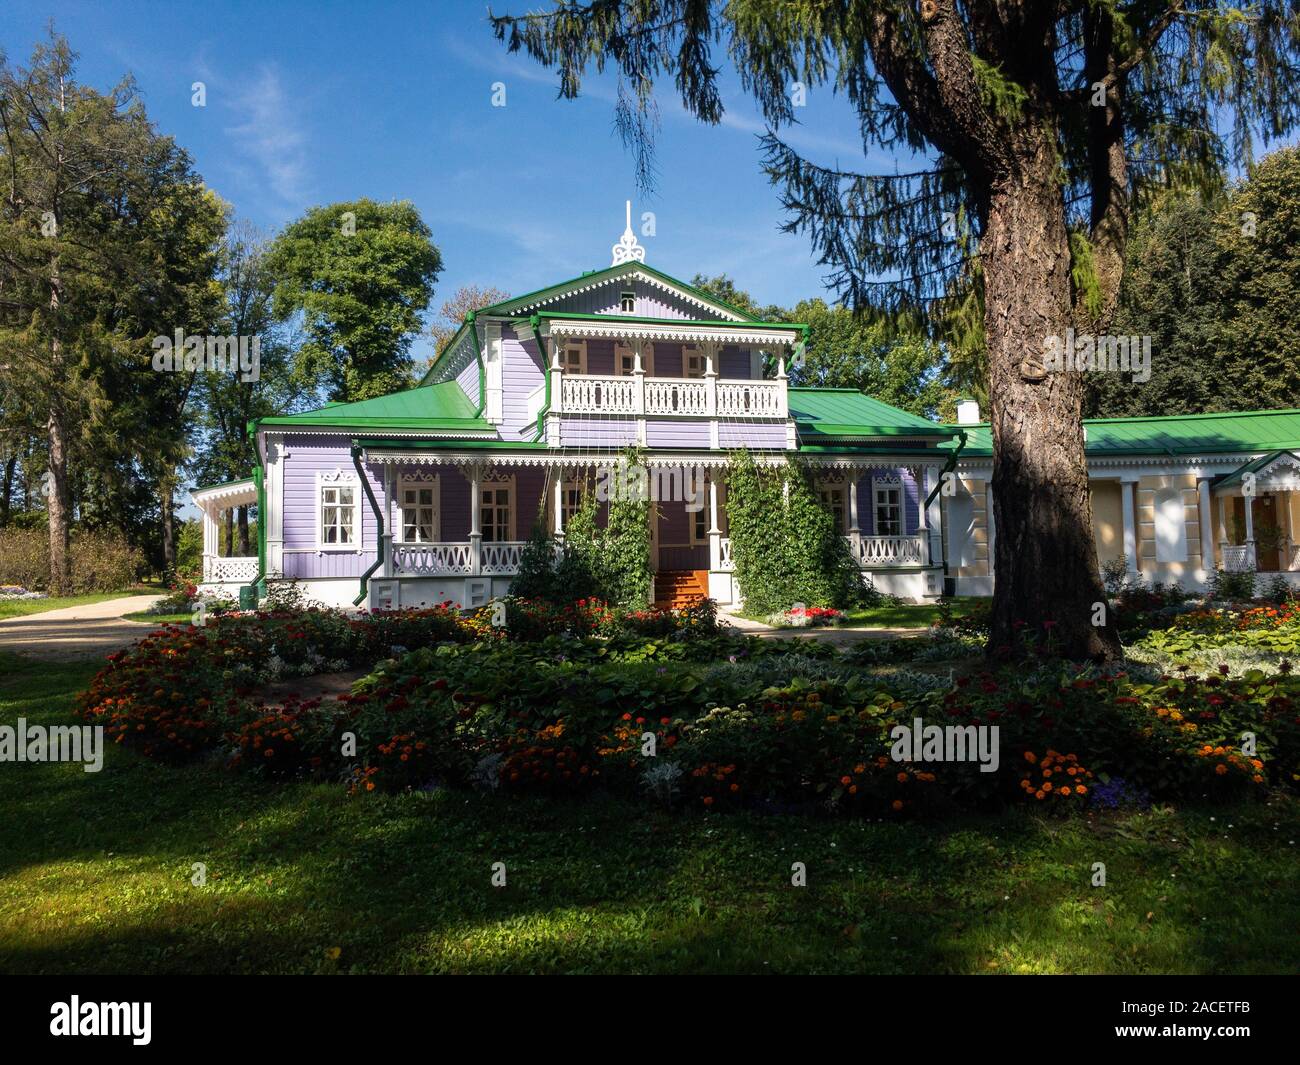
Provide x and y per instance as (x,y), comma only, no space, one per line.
(1258,516)
(224,574)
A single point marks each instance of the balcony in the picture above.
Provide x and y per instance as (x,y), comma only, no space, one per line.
(229,570)
(468,559)
(638,396)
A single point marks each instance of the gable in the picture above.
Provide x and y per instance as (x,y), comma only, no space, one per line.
(598,292)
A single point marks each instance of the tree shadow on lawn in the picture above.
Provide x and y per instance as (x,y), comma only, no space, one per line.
(95,877)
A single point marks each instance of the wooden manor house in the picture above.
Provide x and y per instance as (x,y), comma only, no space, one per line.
(429,494)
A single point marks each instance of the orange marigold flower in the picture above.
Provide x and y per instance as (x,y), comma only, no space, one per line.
(898,804)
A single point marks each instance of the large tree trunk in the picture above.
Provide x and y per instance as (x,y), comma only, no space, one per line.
(229,518)
(57,504)
(1047,584)
(6,498)
(166,490)
(243,532)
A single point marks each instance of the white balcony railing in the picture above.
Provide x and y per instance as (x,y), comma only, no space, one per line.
(668,396)
(690,396)
(232,570)
(501,558)
(883,551)
(750,399)
(726,562)
(598,395)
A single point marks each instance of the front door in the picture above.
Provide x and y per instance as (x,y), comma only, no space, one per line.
(1268,547)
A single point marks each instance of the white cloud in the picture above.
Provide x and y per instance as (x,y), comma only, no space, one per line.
(269,133)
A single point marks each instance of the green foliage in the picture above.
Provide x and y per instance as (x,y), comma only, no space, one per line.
(784,542)
(361,273)
(1214,283)
(625,574)
(102,561)
(998,92)
(535,578)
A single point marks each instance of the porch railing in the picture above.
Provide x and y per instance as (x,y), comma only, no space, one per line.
(1237,558)
(691,396)
(873,552)
(882,551)
(457,559)
(239,569)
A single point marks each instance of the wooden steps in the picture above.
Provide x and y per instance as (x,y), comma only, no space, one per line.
(676,588)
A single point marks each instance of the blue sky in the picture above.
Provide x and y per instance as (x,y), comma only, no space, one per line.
(311,103)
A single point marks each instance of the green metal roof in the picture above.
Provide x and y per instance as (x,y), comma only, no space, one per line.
(440,406)
(1173,434)
(835,416)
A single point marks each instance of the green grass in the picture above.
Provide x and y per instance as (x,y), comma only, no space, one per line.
(13,608)
(95,878)
(909,615)
(158,619)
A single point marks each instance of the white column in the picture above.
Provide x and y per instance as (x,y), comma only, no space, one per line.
(1130,525)
(209,542)
(1223,521)
(475,519)
(1207,534)
(638,388)
(1251,558)
(273,493)
(783,386)
(492,410)
(386,541)
(559,503)
(715,530)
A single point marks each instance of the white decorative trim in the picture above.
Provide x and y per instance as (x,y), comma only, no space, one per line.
(617,330)
(340,478)
(627,249)
(235,494)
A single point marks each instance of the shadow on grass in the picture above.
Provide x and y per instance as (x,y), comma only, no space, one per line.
(95,877)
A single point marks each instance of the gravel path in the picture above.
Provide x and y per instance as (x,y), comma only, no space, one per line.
(91,630)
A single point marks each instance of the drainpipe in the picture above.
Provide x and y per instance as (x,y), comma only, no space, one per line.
(948,467)
(259,482)
(379,524)
(536,322)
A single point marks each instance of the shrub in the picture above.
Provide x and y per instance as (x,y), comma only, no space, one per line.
(101,561)
(1232,584)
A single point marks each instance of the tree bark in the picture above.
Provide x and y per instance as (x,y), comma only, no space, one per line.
(168,520)
(229,519)
(1047,584)
(6,500)
(57,505)
(243,531)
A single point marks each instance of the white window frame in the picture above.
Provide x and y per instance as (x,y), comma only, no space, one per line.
(571,346)
(885,488)
(570,507)
(825,492)
(697,523)
(407,484)
(622,306)
(339,481)
(507,483)
(692,351)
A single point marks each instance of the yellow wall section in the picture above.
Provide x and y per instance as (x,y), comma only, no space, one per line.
(1107,520)
(1146,522)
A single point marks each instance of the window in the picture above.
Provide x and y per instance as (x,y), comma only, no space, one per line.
(625,360)
(699,522)
(573,356)
(832,498)
(339,525)
(1171,526)
(419,503)
(627,302)
(888,511)
(496,512)
(571,501)
(693,361)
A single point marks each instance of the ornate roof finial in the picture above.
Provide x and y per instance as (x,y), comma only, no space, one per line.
(627,249)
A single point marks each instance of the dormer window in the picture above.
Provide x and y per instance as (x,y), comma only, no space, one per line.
(627,302)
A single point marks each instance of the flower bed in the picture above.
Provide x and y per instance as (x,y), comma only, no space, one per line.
(683,713)
(803,617)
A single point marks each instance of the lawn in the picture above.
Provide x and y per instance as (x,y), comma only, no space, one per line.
(159,619)
(13,608)
(909,615)
(95,877)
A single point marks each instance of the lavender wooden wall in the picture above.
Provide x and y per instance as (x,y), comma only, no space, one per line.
(521,373)
(468,380)
(305,456)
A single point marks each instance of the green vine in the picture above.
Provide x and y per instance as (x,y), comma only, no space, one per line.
(784,543)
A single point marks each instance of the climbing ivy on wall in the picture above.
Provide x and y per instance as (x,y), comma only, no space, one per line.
(612,563)
(784,543)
